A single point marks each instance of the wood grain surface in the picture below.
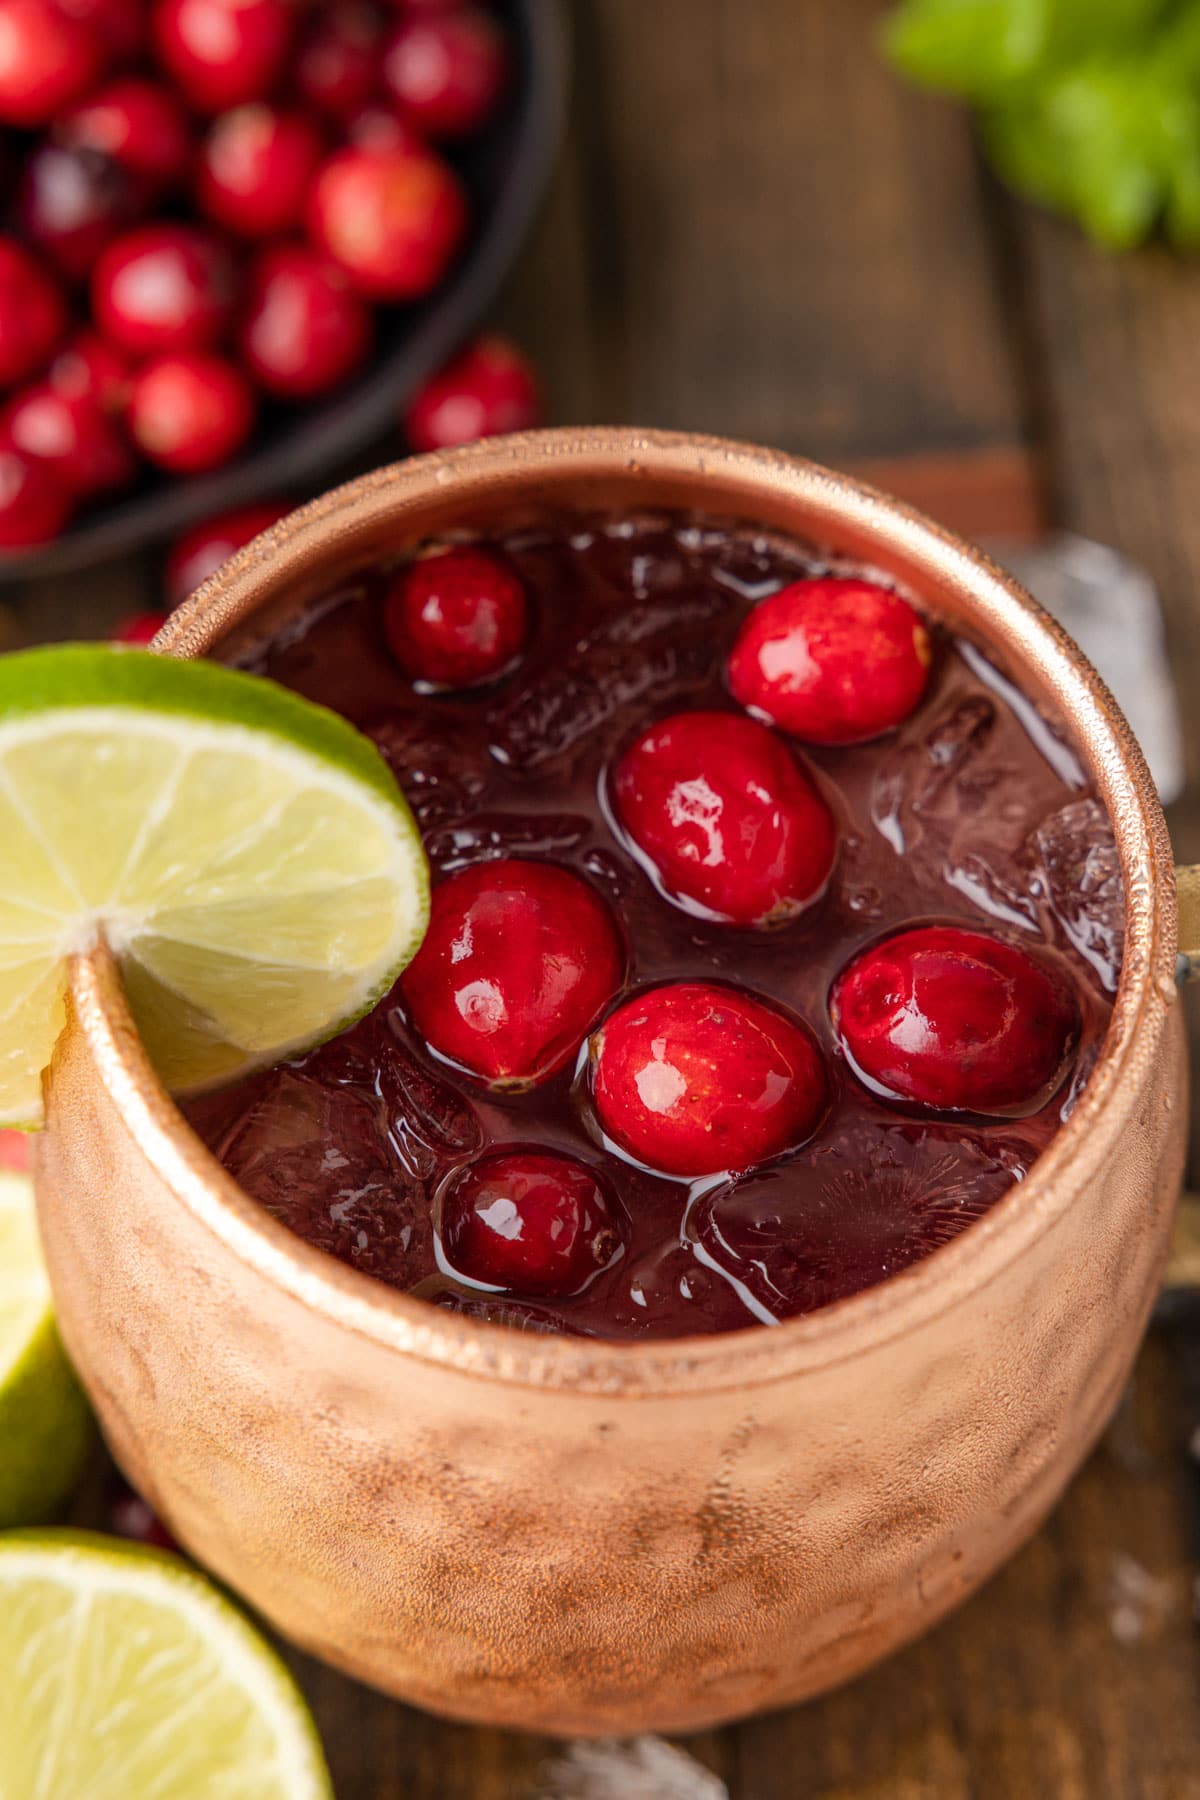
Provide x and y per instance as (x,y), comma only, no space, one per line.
(755,230)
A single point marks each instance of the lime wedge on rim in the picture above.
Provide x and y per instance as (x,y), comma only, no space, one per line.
(246,854)
(127,1676)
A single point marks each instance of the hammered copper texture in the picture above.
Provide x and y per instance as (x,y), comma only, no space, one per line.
(582,1537)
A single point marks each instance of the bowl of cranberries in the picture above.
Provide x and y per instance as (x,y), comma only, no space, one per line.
(237,235)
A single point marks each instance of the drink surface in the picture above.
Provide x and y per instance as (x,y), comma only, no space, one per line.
(975,811)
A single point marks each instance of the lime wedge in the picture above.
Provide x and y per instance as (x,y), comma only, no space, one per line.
(127,1676)
(45,1426)
(246,854)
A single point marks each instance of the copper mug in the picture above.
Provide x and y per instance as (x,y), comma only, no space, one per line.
(577,1536)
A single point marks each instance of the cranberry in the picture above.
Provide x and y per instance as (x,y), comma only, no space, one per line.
(139,628)
(379,127)
(223,52)
(190,412)
(338,63)
(119,24)
(75,438)
(201,551)
(456,616)
(47,60)
(34,505)
(89,368)
(393,219)
(33,314)
(134,1518)
(956,1019)
(71,204)
(139,124)
(529,1221)
(695,1077)
(516,964)
(14,1150)
(832,661)
(305,328)
(164,287)
(256,167)
(727,822)
(487,390)
(448,71)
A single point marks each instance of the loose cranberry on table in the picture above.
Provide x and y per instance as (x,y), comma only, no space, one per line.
(72,203)
(77,440)
(33,314)
(223,52)
(201,551)
(447,71)
(456,617)
(164,287)
(304,328)
(337,65)
(34,504)
(832,661)
(518,961)
(255,169)
(695,1077)
(530,1221)
(14,1149)
(485,391)
(728,822)
(139,628)
(47,60)
(134,1518)
(190,412)
(955,1019)
(89,368)
(394,220)
(137,122)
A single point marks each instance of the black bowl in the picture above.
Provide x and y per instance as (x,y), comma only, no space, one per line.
(505,170)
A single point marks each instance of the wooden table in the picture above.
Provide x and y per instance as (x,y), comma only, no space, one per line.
(755,230)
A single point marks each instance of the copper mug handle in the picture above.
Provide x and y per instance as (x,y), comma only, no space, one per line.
(1183,1269)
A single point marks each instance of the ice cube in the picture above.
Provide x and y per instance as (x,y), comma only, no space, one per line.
(441,777)
(1076,854)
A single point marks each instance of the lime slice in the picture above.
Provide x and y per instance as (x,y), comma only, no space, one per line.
(246,854)
(127,1676)
(45,1426)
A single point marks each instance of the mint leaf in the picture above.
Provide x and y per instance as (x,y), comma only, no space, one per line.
(983,49)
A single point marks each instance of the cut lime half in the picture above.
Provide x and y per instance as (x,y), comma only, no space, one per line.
(127,1676)
(247,856)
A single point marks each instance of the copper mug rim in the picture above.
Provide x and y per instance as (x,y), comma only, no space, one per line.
(322,535)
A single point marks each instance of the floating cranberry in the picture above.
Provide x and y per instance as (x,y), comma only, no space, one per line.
(88,367)
(456,616)
(487,390)
(728,822)
(518,961)
(33,314)
(696,1077)
(139,628)
(832,661)
(305,328)
(164,287)
(256,167)
(337,68)
(529,1221)
(47,60)
(190,412)
(393,219)
(72,203)
(956,1019)
(76,439)
(34,505)
(201,551)
(223,52)
(447,71)
(139,124)
(379,127)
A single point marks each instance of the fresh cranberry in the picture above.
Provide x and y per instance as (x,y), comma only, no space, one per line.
(72,203)
(134,1518)
(88,367)
(256,167)
(34,505)
(75,438)
(164,287)
(447,71)
(516,964)
(956,1019)
(190,412)
(201,551)
(305,328)
(832,661)
(456,616)
(14,1150)
(724,817)
(47,60)
(337,68)
(487,390)
(376,126)
(120,25)
(223,52)
(695,1077)
(529,1221)
(139,628)
(394,220)
(33,314)
(139,124)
